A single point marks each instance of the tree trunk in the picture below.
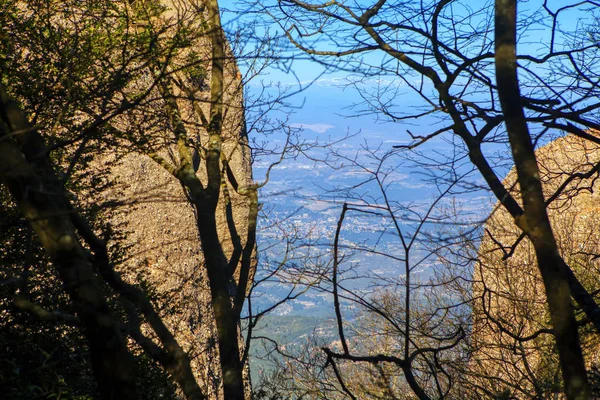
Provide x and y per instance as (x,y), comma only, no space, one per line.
(29,176)
(534,221)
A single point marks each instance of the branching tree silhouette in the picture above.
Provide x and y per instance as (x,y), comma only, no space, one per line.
(402,332)
(461,62)
(153,78)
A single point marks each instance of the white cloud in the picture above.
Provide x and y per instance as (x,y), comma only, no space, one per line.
(319,128)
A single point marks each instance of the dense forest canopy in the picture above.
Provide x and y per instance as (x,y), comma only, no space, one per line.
(136,252)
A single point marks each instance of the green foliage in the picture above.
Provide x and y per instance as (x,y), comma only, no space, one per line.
(196,72)
(70,64)
(39,359)
(67,63)
(45,359)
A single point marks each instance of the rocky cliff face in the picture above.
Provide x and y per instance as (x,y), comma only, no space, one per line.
(113,86)
(154,221)
(511,318)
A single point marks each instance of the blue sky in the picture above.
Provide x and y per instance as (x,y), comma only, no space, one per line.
(323,105)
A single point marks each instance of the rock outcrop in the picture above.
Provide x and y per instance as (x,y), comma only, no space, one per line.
(155,222)
(513,350)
